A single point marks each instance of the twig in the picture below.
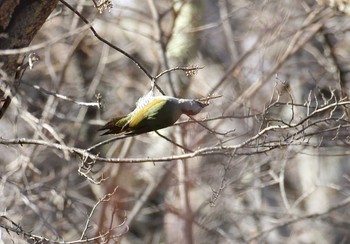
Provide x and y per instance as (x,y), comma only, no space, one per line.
(173,142)
(186,69)
(105,198)
(121,137)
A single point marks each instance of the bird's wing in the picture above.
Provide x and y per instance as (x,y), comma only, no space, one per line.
(149,111)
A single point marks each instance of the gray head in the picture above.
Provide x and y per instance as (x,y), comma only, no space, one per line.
(192,106)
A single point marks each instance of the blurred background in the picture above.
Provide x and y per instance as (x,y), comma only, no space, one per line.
(268,162)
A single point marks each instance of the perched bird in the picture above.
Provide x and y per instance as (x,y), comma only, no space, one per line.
(153,113)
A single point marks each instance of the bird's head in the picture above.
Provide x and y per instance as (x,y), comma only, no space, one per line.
(193,106)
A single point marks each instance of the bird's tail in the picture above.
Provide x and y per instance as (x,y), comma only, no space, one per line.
(115,126)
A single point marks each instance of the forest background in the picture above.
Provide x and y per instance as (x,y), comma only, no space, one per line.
(266,162)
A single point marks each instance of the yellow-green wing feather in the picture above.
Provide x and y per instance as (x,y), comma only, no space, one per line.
(146,112)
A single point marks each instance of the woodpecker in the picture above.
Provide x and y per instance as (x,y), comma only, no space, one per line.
(153,113)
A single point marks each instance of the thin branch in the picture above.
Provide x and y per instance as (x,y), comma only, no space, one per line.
(173,142)
(107,141)
(105,198)
(84,153)
(186,69)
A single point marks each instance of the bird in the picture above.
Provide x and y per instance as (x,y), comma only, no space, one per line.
(153,113)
